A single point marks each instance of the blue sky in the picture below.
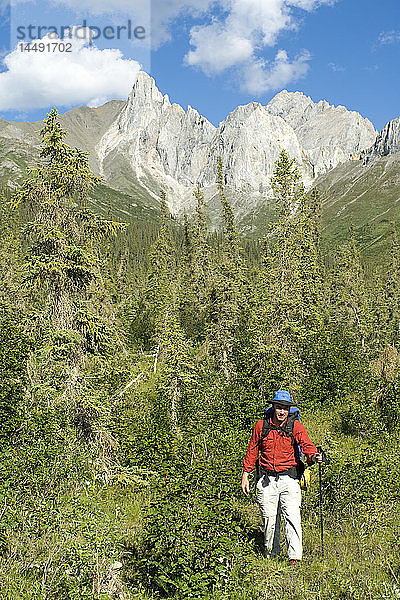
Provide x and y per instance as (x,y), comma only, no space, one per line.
(212,55)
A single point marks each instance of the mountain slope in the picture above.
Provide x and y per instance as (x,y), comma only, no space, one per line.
(388,140)
(17,157)
(365,195)
(163,145)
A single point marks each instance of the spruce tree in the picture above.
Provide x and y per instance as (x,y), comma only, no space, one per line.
(61,232)
(288,311)
(227,293)
(162,271)
(201,247)
(61,262)
(349,299)
(196,264)
(171,349)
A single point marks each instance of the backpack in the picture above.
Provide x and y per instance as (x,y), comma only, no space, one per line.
(286,429)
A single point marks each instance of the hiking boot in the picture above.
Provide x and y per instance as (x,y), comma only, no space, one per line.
(294,562)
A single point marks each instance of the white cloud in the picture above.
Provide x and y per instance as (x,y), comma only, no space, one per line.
(336,68)
(223,44)
(310,4)
(217,50)
(248,25)
(86,75)
(389,37)
(234,34)
(242,35)
(371,68)
(259,77)
(165,12)
(271,16)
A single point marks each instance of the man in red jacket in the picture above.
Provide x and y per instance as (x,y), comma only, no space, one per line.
(278,488)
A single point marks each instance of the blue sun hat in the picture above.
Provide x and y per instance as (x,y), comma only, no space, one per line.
(283,397)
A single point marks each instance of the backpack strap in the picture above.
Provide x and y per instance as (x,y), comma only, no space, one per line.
(285,429)
(288,428)
(266,428)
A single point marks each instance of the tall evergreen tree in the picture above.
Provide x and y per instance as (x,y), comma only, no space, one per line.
(201,247)
(349,300)
(388,321)
(162,269)
(171,349)
(289,311)
(61,238)
(227,293)
(196,270)
(61,230)
(175,363)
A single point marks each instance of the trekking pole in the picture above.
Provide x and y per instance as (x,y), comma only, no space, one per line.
(320,499)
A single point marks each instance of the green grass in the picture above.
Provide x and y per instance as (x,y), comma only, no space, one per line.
(61,544)
(81,533)
(366,196)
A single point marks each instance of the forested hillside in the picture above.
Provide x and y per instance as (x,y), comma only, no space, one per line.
(136,359)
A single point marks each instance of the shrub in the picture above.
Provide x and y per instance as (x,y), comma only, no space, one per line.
(190,542)
(14,348)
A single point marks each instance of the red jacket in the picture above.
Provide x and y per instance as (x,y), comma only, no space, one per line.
(277,452)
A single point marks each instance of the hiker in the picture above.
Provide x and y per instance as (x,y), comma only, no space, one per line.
(278,438)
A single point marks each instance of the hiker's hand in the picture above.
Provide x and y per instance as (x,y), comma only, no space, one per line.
(245,483)
(317,458)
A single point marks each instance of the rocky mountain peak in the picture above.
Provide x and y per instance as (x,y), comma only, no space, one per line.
(295,107)
(388,140)
(243,112)
(145,92)
(289,105)
(145,103)
(148,142)
(329,134)
(165,146)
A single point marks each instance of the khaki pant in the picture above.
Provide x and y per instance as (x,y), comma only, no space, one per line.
(276,496)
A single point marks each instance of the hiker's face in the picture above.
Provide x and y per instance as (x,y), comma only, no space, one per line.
(281,412)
